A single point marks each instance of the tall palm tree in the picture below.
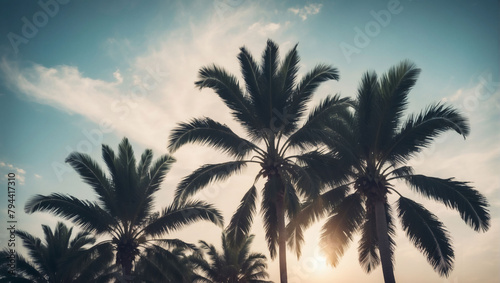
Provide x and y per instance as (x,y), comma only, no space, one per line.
(124,210)
(269,108)
(378,145)
(234,265)
(59,259)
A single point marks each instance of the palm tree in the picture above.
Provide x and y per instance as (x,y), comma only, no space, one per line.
(59,258)
(124,210)
(378,145)
(269,108)
(235,265)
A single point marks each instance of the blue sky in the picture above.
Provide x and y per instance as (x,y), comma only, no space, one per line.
(80,73)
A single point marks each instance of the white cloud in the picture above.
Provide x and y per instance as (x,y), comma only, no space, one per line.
(37,176)
(157,90)
(118,77)
(307,10)
(6,168)
(264,29)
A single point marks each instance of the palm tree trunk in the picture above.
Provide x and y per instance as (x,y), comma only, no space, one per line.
(126,271)
(280,213)
(383,241)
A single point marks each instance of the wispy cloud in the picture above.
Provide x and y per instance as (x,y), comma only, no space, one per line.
(6,168)
(146,101)
(265,29)
(307,10)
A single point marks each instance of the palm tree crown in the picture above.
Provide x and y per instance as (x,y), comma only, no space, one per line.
(60,259)
(376,144)
(124,209)
(235,265)
(269,107)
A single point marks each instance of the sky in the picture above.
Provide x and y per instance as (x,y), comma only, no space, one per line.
(76,74)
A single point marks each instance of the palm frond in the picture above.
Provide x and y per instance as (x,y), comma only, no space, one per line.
(327,167)
(86,214)
(145,163)
(420,130)
(175,244)
(161,265)
(395,86)
(338,231)
(367,113)
(34,246)
(25,270)
(428,234)
(313,132)
(157,173)
(402,171)
(96,264)
(251,74)
(92,174)
(205,175)
(270,85)
(228,89)
(206,131)
(368,244)
(109,157)
(242,219)
(268,210)
(311,211)
(472,205)
(178,215)
(288,71)
(292,201)
(126,182)
(306,87)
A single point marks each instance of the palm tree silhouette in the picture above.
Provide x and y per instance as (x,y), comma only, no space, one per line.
(161,264)
(234,265)
(377,145)
(125,202)
(59,259)
(269,108)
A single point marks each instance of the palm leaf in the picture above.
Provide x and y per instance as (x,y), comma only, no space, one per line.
(25,270)
(206,131)
(144,163)
(306,87)
(268,210)
(367,113)
(175,244)
(228,89)
(205,175)
(86,214)
(428,234)
(394,88)
(313,132)
(242,219)
(472,206)
(251,74)
(337,232)
(92,174)
(271,99)
(419,131)
(368,244)
(311,211)
(149,184)
(177,216)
